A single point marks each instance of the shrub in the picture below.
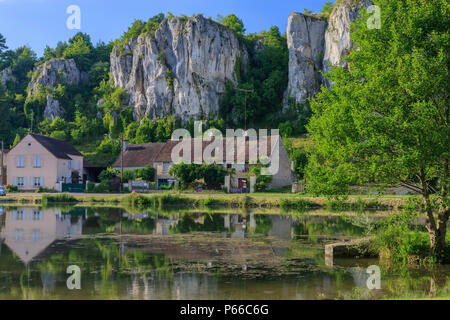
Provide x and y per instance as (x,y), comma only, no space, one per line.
(90,187)
(59,198)
(262,181)
(108,175)
(400,240)
(297,204)
(103,187)
(10,188)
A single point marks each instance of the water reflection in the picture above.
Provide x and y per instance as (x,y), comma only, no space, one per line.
(176,255)
(29,231)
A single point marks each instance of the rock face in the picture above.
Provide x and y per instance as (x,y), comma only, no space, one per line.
(6,75)
(315,44)
(50,74)
(306,44)
(54,72)
(337,37)
(180,70)
(53,109)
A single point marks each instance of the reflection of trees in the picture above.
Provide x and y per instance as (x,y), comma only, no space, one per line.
(187,223)
(263,224)
(327,227)
(146,225)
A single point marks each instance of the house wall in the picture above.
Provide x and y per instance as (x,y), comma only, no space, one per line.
(283,177)
(64,170)
(160,173)
(28,148)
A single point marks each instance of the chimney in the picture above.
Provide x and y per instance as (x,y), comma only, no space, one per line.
(125,145)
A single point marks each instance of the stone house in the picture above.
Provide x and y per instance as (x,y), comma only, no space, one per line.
(159,155)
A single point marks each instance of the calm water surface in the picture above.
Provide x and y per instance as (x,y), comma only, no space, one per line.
(191,255)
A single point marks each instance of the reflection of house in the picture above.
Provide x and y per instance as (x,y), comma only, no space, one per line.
(3,179)
(282,227)
(29,231)
(39,161)
(237,224)
(162,226)
(235,153)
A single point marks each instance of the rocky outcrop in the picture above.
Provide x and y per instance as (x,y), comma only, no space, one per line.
(6,75)
(49,75)
(181,69)
(337,37)
(54,72)
(315,44)
(53,109)
(306,44)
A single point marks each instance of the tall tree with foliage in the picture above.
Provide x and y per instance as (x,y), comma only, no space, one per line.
(3,46)
(386,119)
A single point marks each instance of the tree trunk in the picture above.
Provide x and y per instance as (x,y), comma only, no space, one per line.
(439,242)
(437,231)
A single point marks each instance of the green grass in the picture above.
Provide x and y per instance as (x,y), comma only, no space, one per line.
(58,198)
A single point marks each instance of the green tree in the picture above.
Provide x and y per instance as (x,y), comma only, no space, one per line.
(386,118)
(147,173)
(3,46)
(234,23)
(327,9)
(80,49)
(213,175)
(187,174)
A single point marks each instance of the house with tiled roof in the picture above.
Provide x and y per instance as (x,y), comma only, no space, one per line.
(159,155)
(40,161)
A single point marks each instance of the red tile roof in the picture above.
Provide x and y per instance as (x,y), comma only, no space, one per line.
(139,155)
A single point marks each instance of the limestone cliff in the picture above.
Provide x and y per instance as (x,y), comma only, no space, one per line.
(315,44)
(337,37)
(306,44)
(181,69)
(49,75)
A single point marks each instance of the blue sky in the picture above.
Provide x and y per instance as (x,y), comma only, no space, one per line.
(38,23)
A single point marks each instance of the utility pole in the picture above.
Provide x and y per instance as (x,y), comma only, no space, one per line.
(245,105)
(1,163)
(121,164)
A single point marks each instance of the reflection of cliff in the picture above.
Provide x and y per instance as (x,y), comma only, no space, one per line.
(29,231)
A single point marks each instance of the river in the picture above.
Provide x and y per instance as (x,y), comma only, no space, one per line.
(185,254)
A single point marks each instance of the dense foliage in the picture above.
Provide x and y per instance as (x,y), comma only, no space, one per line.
(212,175)
(385,120)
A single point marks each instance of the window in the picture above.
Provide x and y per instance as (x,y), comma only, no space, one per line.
(36,215)
(19,234)
(36,162)
(71,164)
(20,162)
(37,181)
(18,215)
(166,166)
(20,181)
(36,235)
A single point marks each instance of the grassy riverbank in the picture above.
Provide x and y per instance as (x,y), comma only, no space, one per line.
(284,201)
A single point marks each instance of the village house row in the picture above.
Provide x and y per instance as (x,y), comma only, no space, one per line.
(42,162)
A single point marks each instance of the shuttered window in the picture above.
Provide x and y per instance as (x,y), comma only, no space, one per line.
(37,163)
(20,162)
